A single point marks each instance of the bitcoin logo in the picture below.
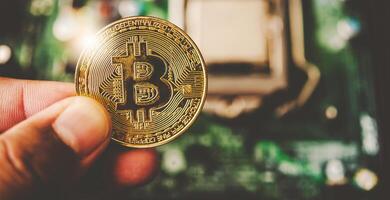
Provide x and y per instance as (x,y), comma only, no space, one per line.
(140,68)
(149,75)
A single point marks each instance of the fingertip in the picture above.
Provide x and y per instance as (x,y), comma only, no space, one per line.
(84,125)
(134,167)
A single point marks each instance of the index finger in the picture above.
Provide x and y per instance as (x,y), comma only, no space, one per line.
(19,99)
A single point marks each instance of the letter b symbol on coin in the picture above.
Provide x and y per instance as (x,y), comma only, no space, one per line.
(143,73)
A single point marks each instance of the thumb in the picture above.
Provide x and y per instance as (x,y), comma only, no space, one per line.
(52,147)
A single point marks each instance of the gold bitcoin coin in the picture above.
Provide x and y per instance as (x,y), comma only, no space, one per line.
(149,75)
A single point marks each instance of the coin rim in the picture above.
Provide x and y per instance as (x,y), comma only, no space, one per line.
(205,85)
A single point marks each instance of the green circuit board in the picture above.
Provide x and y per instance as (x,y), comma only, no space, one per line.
(326,148)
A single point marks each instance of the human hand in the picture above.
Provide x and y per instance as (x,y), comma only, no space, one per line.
(50,139)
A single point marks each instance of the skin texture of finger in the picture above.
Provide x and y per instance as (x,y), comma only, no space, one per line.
(21,99)
(38,154)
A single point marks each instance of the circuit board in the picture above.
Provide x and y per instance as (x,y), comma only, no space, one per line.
(290,112)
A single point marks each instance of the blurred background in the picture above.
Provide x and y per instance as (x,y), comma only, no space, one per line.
(295,107)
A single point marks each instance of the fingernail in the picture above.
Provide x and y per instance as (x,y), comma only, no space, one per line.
(83,125)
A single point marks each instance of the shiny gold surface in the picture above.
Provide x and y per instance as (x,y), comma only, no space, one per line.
(149,75)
